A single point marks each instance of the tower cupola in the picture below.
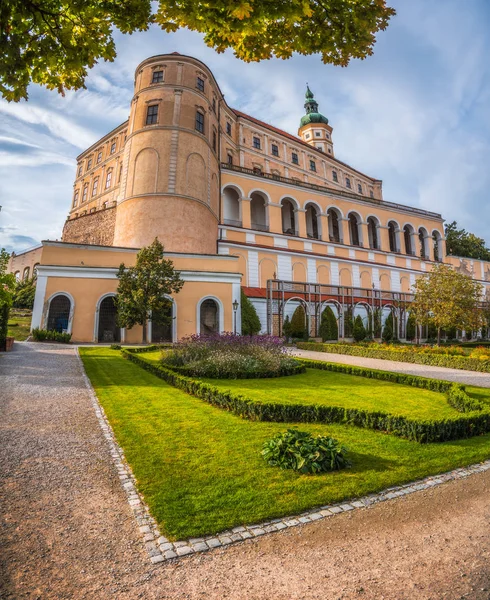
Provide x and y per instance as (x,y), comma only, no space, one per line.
(313,127)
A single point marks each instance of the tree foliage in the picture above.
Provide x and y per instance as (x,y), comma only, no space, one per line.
(329,329)
(55,42)
(142,288)
(7,285)
(460,242)
(388,330)
(250,319)
(445,298)
(358,330)
(24,292)
(298,323)
(411,327)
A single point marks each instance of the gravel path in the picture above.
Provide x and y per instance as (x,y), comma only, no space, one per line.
(457,375)
(67,531)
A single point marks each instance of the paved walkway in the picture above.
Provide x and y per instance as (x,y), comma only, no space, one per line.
(457,375)
(67,531)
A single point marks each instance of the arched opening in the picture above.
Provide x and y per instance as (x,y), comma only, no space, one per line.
(17,275)
(162,324)
(59,313)
(373,225)
(231,207)
(354,225)
(407,236)
(393,236)
(312,222)
(423,249)
(209,317)
(333,225)
(26,273)
(108,330)
(258,213)
(288,217)
(437,241)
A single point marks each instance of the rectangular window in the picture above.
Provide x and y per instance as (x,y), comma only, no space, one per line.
(120,174)
(256,142)
(335,176)
(75,199)
(95,185)
(312,165)
(99,157)
(230,159)
(228,128)
(89,164)
(200,84)
(294,158)
(108,179)
(80,168)
(371,194)
(85,192)
(347,182)
(359,188)
(275,150)
(214,105)
(157,77)
(318,134)
(152,114)
(113,145)
(199,122)
(214,141)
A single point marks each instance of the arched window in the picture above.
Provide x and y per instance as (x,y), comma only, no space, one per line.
(231,207)
(437,241)
(85,192)
(312,224)
(34,270)
(373,224)
(354,224)
(26,273)
(288,217)
(333,225)
(393,236)
(108,179)
(407,235)
(108,330)
(59,313)
(95,185)
(17,275)
(424,250)
(209,317)
(258,213)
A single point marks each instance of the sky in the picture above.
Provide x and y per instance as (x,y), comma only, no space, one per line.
(416,114)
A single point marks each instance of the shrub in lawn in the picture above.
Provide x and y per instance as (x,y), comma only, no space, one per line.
(388,328)
(300,451)
(50,335)
(329,329)
(411,328)
(250,319)
(230,356)
(298,323)
(358,331)
(115,346)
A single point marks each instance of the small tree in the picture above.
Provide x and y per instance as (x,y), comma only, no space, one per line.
(250,319)
(7,285)
(388,329)
(298,323)
(286,328)
(358,331)
(446,298)
(142,288)
(411,327)
(329,329)
(23,296)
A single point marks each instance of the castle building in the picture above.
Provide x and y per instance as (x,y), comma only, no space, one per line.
(236,203)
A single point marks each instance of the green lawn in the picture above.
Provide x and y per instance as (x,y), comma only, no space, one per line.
(200,468)
(19,325)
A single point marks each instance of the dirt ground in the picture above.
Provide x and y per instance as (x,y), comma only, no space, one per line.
(67,531)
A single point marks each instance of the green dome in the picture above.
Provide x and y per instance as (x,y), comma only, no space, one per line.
(312,114)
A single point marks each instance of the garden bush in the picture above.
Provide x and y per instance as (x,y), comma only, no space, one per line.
(300,451)
(329,329)
(358,330)
(50,335)
(230,356)
(250,319)
(299,324)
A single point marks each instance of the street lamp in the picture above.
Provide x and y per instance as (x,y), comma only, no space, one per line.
(235,308)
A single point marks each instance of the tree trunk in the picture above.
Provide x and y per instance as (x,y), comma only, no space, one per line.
(438,336)
(144,331)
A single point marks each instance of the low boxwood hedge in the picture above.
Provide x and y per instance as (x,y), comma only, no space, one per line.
(283,372)
(434,360)
(464,426)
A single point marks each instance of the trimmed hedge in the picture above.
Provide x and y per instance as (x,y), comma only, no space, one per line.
(463,426)
(50,335)
(434,360)
(283,372)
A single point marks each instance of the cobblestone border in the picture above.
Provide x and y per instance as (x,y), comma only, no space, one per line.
(161,549)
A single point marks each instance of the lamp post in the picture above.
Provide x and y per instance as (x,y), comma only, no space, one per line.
(235,308)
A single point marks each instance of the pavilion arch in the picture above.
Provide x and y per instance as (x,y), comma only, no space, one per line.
(259,212)
(408,231)
(267,270)
(299,301)
(394,235)
(313,220)
(364,310)
(323,275)
(242,267)
(355,232)
(299,272)
(158,333)
(437,241)
(60,308)
(233,186)
(366,280)
(263,193)
(105,322)
(335,217)
(289,208)
(373,226)
(232,206)
(423,235)
(345,277)
(210,316)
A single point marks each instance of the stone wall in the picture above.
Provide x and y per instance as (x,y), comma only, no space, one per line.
(93,228)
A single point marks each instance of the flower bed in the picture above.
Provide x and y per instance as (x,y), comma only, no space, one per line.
(230,356)
(452,357)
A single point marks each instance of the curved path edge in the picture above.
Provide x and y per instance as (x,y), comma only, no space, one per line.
(160,549)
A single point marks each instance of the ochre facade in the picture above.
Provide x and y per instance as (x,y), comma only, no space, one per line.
(235,201)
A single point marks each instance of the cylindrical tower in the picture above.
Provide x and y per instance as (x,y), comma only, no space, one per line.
(170,178)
